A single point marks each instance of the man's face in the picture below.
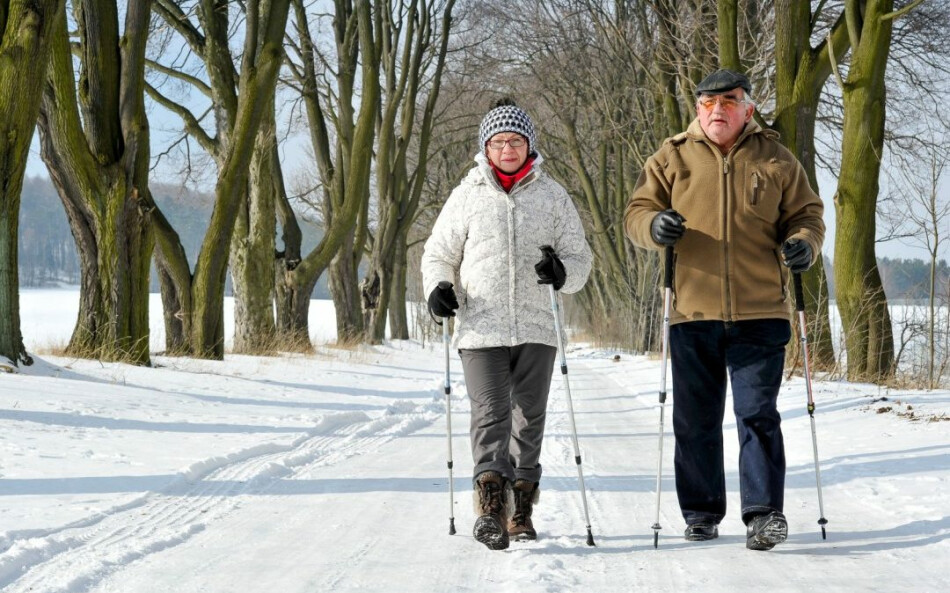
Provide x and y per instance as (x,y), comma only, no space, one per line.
(723,116)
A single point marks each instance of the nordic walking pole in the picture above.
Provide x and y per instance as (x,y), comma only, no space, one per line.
(448,409)
(800,307)
(667,305)
(570,405)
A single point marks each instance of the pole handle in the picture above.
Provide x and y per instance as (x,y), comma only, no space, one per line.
(668,268)
(799,293)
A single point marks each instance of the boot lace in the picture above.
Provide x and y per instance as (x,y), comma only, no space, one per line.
(522,510)
(490,497)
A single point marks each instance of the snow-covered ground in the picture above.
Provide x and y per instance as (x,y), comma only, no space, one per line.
(327,473)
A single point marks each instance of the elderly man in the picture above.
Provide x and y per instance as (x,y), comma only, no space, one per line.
(738,210)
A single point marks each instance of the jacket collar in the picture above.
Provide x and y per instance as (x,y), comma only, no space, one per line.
(487,176)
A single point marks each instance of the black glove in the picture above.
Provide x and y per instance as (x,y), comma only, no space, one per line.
(667,227)
(442,301)
(550,269)
(797,255)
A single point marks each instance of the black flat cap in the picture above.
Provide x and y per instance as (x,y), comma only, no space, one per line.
(721,81)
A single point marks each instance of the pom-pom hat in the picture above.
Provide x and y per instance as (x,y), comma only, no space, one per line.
(506,117)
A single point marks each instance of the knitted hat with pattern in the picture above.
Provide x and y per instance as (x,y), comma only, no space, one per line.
(506,117)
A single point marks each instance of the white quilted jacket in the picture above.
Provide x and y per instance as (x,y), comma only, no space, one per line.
(486,243)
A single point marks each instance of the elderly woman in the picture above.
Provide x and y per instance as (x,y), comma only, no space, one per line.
(487,242)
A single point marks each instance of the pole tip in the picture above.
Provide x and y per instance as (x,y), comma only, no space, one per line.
(452,526)
(656,539)
(590,538)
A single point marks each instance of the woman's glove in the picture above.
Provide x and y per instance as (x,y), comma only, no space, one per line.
(442,300)
(550,269)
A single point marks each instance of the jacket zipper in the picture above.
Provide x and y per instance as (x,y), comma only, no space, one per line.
(725,242)
(755,188)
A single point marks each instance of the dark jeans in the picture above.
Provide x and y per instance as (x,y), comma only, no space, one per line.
(754,354)
(508,389)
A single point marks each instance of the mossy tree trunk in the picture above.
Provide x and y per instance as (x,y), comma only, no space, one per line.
(860,295)
(95,143)
(240,98)
(25,34)
(253,246)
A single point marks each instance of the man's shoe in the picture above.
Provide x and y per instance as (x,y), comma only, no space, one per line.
(765,531)
(493,507)
(701,532)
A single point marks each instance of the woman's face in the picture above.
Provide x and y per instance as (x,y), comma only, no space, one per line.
(503,155)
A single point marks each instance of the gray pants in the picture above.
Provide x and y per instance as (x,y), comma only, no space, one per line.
(508,389)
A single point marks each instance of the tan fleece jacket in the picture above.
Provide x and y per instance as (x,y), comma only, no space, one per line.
(739,209)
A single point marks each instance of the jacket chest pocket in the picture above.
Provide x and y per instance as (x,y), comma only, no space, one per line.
(762,191)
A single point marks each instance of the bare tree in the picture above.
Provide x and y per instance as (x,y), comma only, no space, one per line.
(25,37)
(415,44)
(342,139)
(923,211)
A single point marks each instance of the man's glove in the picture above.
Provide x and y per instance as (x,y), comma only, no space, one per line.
(797,255)
(667,227)
(550,269)
(442,301)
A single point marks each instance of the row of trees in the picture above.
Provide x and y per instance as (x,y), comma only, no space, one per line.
(389,94)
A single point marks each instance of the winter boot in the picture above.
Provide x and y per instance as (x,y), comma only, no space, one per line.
(765,531)
(493,507)
(526,496)
(701,532)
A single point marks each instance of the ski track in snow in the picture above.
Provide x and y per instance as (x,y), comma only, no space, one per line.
(75,557)
(358,503)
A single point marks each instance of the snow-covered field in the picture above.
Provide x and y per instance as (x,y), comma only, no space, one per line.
(327,473)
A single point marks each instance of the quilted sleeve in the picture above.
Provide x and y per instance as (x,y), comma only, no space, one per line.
(571,245)
(442,253)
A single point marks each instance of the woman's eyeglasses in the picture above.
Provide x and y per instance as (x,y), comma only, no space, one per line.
(512,142)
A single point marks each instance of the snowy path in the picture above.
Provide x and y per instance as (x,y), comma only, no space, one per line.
(335,480)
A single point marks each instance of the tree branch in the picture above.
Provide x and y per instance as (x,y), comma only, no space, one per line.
(192,124)
(901,12)
(172,14)
(194,81)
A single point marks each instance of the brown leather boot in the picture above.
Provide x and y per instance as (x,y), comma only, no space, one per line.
(492,505)
(526,496)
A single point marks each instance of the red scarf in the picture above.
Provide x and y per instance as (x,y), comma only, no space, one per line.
(508,180)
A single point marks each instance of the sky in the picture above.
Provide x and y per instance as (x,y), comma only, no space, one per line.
(327,472)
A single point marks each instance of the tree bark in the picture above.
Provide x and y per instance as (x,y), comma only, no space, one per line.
(25,33)
(239,100)
(860,294)
(344,286)
(252,249)
(99,165)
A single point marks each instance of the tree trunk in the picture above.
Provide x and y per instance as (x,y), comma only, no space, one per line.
(801,72)
(344,287)
(292,322)
(99,165)
(860,294)
(260,66)
(252,251)
(25,31)
(174,274)
(398,321)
